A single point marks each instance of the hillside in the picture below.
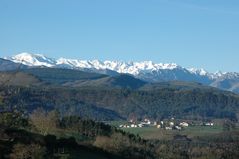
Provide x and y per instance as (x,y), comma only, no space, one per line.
(225,84)
(60,76)
(119,81)
(19,79)
(113,104)
(6,65)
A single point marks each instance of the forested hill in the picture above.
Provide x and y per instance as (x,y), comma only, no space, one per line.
(52,109)
(118,100)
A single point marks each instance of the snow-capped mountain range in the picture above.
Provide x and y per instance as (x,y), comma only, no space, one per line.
(146,70)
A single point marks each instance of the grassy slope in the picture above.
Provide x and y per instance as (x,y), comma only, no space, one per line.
(59,76)
(191,132)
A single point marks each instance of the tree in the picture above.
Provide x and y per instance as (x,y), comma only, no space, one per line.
(33,151)
(115,143)
(13,119)
(228,125)
(45,122)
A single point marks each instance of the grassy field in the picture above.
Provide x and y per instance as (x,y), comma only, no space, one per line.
(154,133)
(191,132)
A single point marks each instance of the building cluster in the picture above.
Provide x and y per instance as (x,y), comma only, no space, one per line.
(164,124)
(208,124)
(132,124)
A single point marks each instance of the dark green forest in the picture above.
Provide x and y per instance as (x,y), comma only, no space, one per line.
(115,104)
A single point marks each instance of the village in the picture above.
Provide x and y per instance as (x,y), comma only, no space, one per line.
(167,124)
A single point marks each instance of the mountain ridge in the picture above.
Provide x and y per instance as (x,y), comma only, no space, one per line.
(41,60)
(146,70)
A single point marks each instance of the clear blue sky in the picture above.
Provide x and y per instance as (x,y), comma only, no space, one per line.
(192,33)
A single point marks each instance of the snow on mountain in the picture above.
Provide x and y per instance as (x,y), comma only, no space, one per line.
(201,71)
(146,70)
(227,81)
(6,65)
(133,68)
(32,59)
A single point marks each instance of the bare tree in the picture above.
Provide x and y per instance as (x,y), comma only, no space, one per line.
(115,143)
(44,122)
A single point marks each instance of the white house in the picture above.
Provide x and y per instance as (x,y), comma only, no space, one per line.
(168,128)
(171,123)
(147,121)
(178,127)
(209,124)
(184,124)
(140,125)
(133,126)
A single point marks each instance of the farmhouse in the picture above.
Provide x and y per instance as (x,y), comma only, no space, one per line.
(147,121)
(184,124)
(140,125)
(133,126)
(209,124)
(178,127)
(158,126)
(171,123)
(168,128)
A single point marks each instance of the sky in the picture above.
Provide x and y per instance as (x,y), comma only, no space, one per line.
(191,33)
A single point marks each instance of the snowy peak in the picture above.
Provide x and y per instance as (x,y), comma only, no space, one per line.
(229,75)
(200,71)
(133,68)
(119,66)
(144,70)
(32,59)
